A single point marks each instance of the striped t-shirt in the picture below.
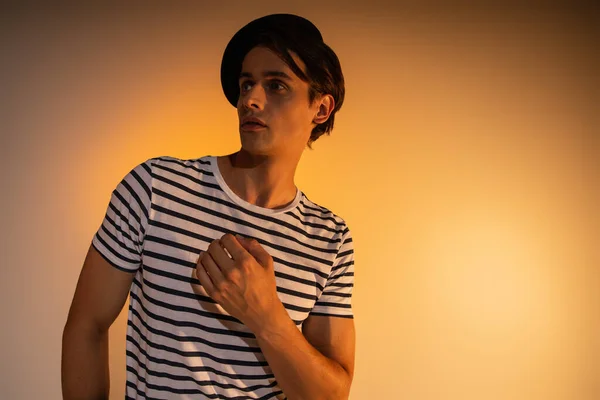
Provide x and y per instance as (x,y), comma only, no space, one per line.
(180,342)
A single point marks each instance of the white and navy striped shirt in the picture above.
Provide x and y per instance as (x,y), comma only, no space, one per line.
(180,342)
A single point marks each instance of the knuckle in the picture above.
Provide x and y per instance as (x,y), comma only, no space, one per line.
(219,287)
(233,275)
(227,236)
(245,260)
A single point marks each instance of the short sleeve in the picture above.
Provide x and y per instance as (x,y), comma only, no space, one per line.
(335,300)
(120,237)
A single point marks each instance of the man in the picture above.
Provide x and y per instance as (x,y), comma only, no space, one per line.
(213,313)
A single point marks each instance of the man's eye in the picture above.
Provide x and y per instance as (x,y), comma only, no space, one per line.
(276,86)
(245,86)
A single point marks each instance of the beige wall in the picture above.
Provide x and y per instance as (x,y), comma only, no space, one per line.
(465,161)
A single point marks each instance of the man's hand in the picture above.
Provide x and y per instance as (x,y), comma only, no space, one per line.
(243,284)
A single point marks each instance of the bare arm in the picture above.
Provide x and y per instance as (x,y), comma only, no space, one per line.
(317,364)
(99,297)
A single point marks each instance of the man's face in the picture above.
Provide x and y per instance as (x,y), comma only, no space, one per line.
(271,92)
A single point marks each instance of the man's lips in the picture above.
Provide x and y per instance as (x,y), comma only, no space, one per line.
(252,126)
(252,121)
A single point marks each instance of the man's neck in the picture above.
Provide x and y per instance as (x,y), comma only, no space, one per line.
(261,180)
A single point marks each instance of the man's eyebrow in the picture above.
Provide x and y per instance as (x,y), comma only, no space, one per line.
(268,74)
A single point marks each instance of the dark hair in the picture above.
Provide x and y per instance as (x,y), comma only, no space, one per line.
(323,71)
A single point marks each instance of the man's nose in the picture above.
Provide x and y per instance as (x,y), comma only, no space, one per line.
(254,98)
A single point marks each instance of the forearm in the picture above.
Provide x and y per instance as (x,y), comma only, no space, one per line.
(303,373)
(85,372)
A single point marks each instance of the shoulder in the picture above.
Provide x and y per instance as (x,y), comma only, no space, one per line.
(169,163)
(324,217)
(171,160)
(144,173)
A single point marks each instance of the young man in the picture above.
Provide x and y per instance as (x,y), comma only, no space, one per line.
(213,313)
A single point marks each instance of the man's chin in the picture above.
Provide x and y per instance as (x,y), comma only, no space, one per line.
(255,149)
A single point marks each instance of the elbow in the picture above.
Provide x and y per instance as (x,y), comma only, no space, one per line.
(346,384)
(343,389)
(344,395)
(342,392)
(82,327)
(337,396)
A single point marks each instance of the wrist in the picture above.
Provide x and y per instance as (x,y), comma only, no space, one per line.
(273,322)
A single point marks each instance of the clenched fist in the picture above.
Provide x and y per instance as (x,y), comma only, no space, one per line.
(243,284)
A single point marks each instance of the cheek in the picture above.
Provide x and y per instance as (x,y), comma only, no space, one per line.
(286,112)
(299,120)
(291,114)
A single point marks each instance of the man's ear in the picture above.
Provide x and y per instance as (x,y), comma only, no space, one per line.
(326,106)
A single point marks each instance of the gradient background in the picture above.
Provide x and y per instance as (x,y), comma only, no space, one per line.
(465,160)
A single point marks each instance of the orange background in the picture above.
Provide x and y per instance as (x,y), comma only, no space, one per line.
(465,160)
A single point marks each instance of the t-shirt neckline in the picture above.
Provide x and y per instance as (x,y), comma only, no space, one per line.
(214,166)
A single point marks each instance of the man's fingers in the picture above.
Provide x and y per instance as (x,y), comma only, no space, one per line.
(219,255)
(256,250)
(211,267)
(232,246)
(239,247)
(204,279)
